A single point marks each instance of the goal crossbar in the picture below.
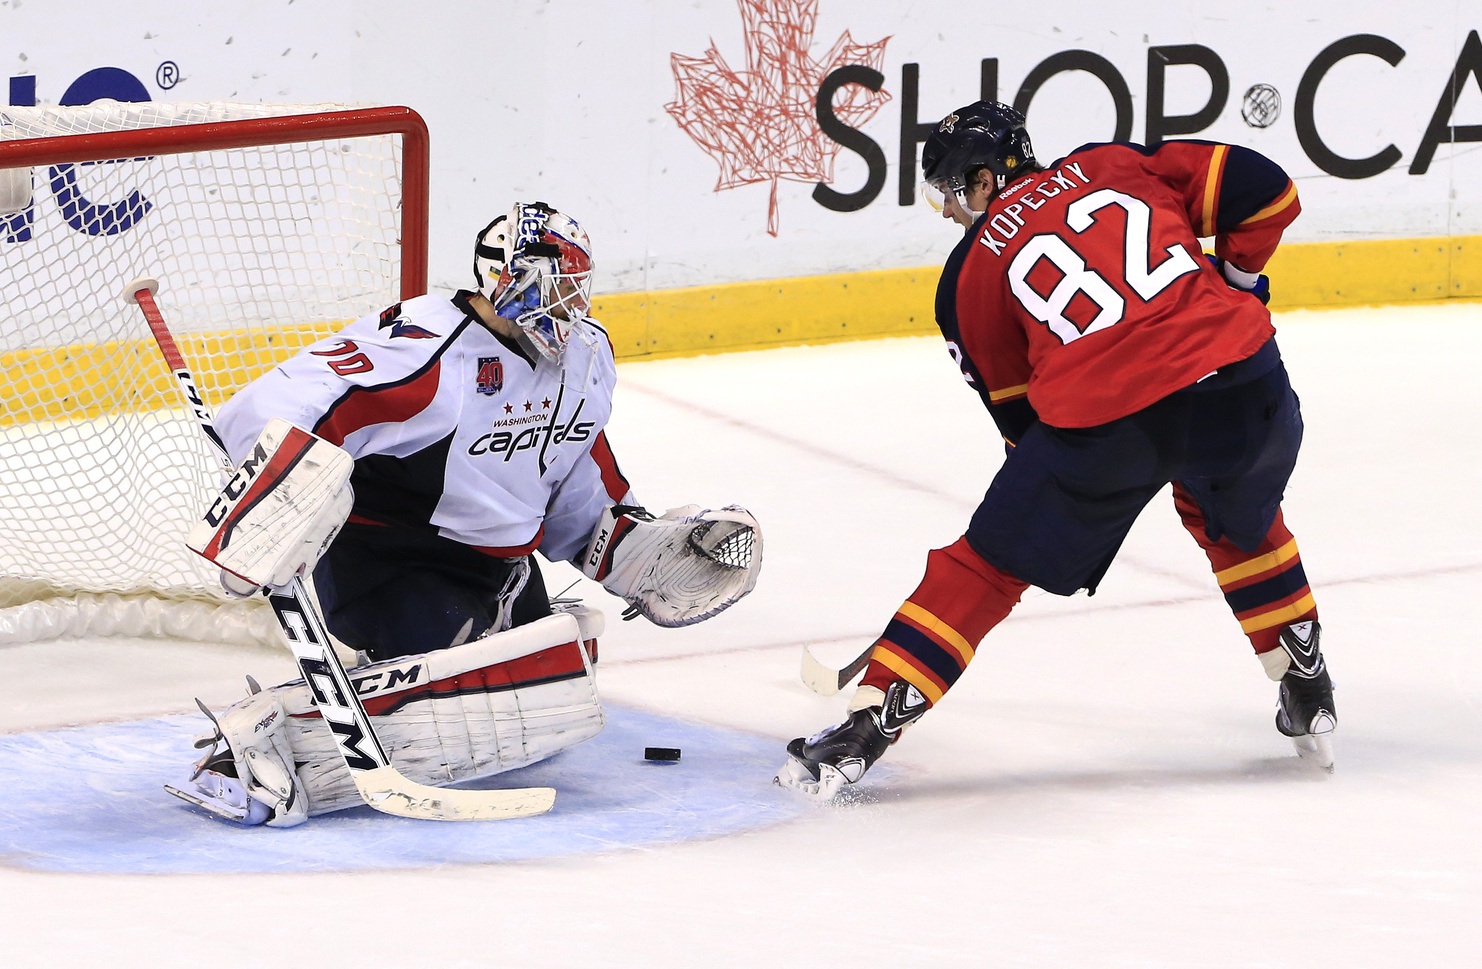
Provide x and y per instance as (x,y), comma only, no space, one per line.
(252,132)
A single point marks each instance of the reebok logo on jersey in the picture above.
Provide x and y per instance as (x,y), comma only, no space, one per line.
(1007,222)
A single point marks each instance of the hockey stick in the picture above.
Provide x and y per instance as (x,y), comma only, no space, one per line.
(826,681)
(380,784)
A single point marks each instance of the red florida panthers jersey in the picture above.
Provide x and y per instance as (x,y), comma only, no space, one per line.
(1084,287)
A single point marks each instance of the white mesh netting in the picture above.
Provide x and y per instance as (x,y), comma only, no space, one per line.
(259,251)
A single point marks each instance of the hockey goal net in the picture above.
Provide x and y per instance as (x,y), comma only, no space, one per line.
(269,226)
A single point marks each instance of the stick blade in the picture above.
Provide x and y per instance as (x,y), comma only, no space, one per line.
(389,792)
(817,677)
(826,681)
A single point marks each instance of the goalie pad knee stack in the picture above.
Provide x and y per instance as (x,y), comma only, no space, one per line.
(684,567)
(504,701)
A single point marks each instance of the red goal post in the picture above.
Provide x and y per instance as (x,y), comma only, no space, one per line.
(269,226)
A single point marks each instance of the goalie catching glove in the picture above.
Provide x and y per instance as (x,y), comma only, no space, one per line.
(684,567)
(278,513)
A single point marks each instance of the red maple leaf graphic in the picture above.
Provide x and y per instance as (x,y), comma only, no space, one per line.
(760,124)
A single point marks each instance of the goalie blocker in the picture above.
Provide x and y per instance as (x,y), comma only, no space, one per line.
(504,701)
(678,569)
(278,512)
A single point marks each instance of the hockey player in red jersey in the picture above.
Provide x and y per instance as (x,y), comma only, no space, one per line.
(1115,359)
(470,435)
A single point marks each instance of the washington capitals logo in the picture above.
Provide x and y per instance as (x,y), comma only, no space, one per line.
(391,316)
(490,378)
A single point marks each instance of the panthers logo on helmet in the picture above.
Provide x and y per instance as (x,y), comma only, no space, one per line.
(949,123)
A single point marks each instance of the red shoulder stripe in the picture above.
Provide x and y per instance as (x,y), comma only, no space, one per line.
(364,406)
(612,479)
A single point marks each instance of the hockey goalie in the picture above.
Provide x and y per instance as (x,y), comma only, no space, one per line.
(413,465)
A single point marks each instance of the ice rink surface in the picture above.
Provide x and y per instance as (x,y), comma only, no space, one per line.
(1104,788)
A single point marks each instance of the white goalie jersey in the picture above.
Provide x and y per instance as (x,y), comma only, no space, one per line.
(452,427)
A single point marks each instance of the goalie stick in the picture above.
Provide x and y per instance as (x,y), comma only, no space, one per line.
(826,681)
(380,784)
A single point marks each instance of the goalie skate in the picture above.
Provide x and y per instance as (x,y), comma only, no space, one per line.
(222,794)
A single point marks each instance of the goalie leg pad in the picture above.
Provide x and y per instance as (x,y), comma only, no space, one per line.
(504,701)
(679,569)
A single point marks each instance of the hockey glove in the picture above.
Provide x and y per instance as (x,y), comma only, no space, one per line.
(278,513)
(679,569)
(1256,284)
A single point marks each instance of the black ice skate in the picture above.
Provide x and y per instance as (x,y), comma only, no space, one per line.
(1304,703)
(823,764)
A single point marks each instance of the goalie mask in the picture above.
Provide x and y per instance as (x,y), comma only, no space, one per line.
(535,265)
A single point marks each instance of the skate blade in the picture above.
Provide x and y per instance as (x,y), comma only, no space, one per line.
(214,807)
(1317,749)
(795,777)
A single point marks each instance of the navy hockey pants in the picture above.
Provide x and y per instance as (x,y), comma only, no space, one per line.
(394,592)
(1064,500)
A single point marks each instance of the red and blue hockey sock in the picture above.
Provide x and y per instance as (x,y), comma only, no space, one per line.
(1266,588)
(932,637)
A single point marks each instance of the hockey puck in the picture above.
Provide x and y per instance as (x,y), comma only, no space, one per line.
(661,754)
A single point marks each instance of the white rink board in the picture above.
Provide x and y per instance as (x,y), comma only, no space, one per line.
(567,101)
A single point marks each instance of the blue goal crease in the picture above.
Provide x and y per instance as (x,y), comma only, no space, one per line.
(91,800)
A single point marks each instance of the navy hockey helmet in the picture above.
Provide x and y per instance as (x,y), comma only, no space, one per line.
(984,134)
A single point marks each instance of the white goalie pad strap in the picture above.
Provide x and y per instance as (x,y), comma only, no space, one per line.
(280,511)
(681,568)
(504,701)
